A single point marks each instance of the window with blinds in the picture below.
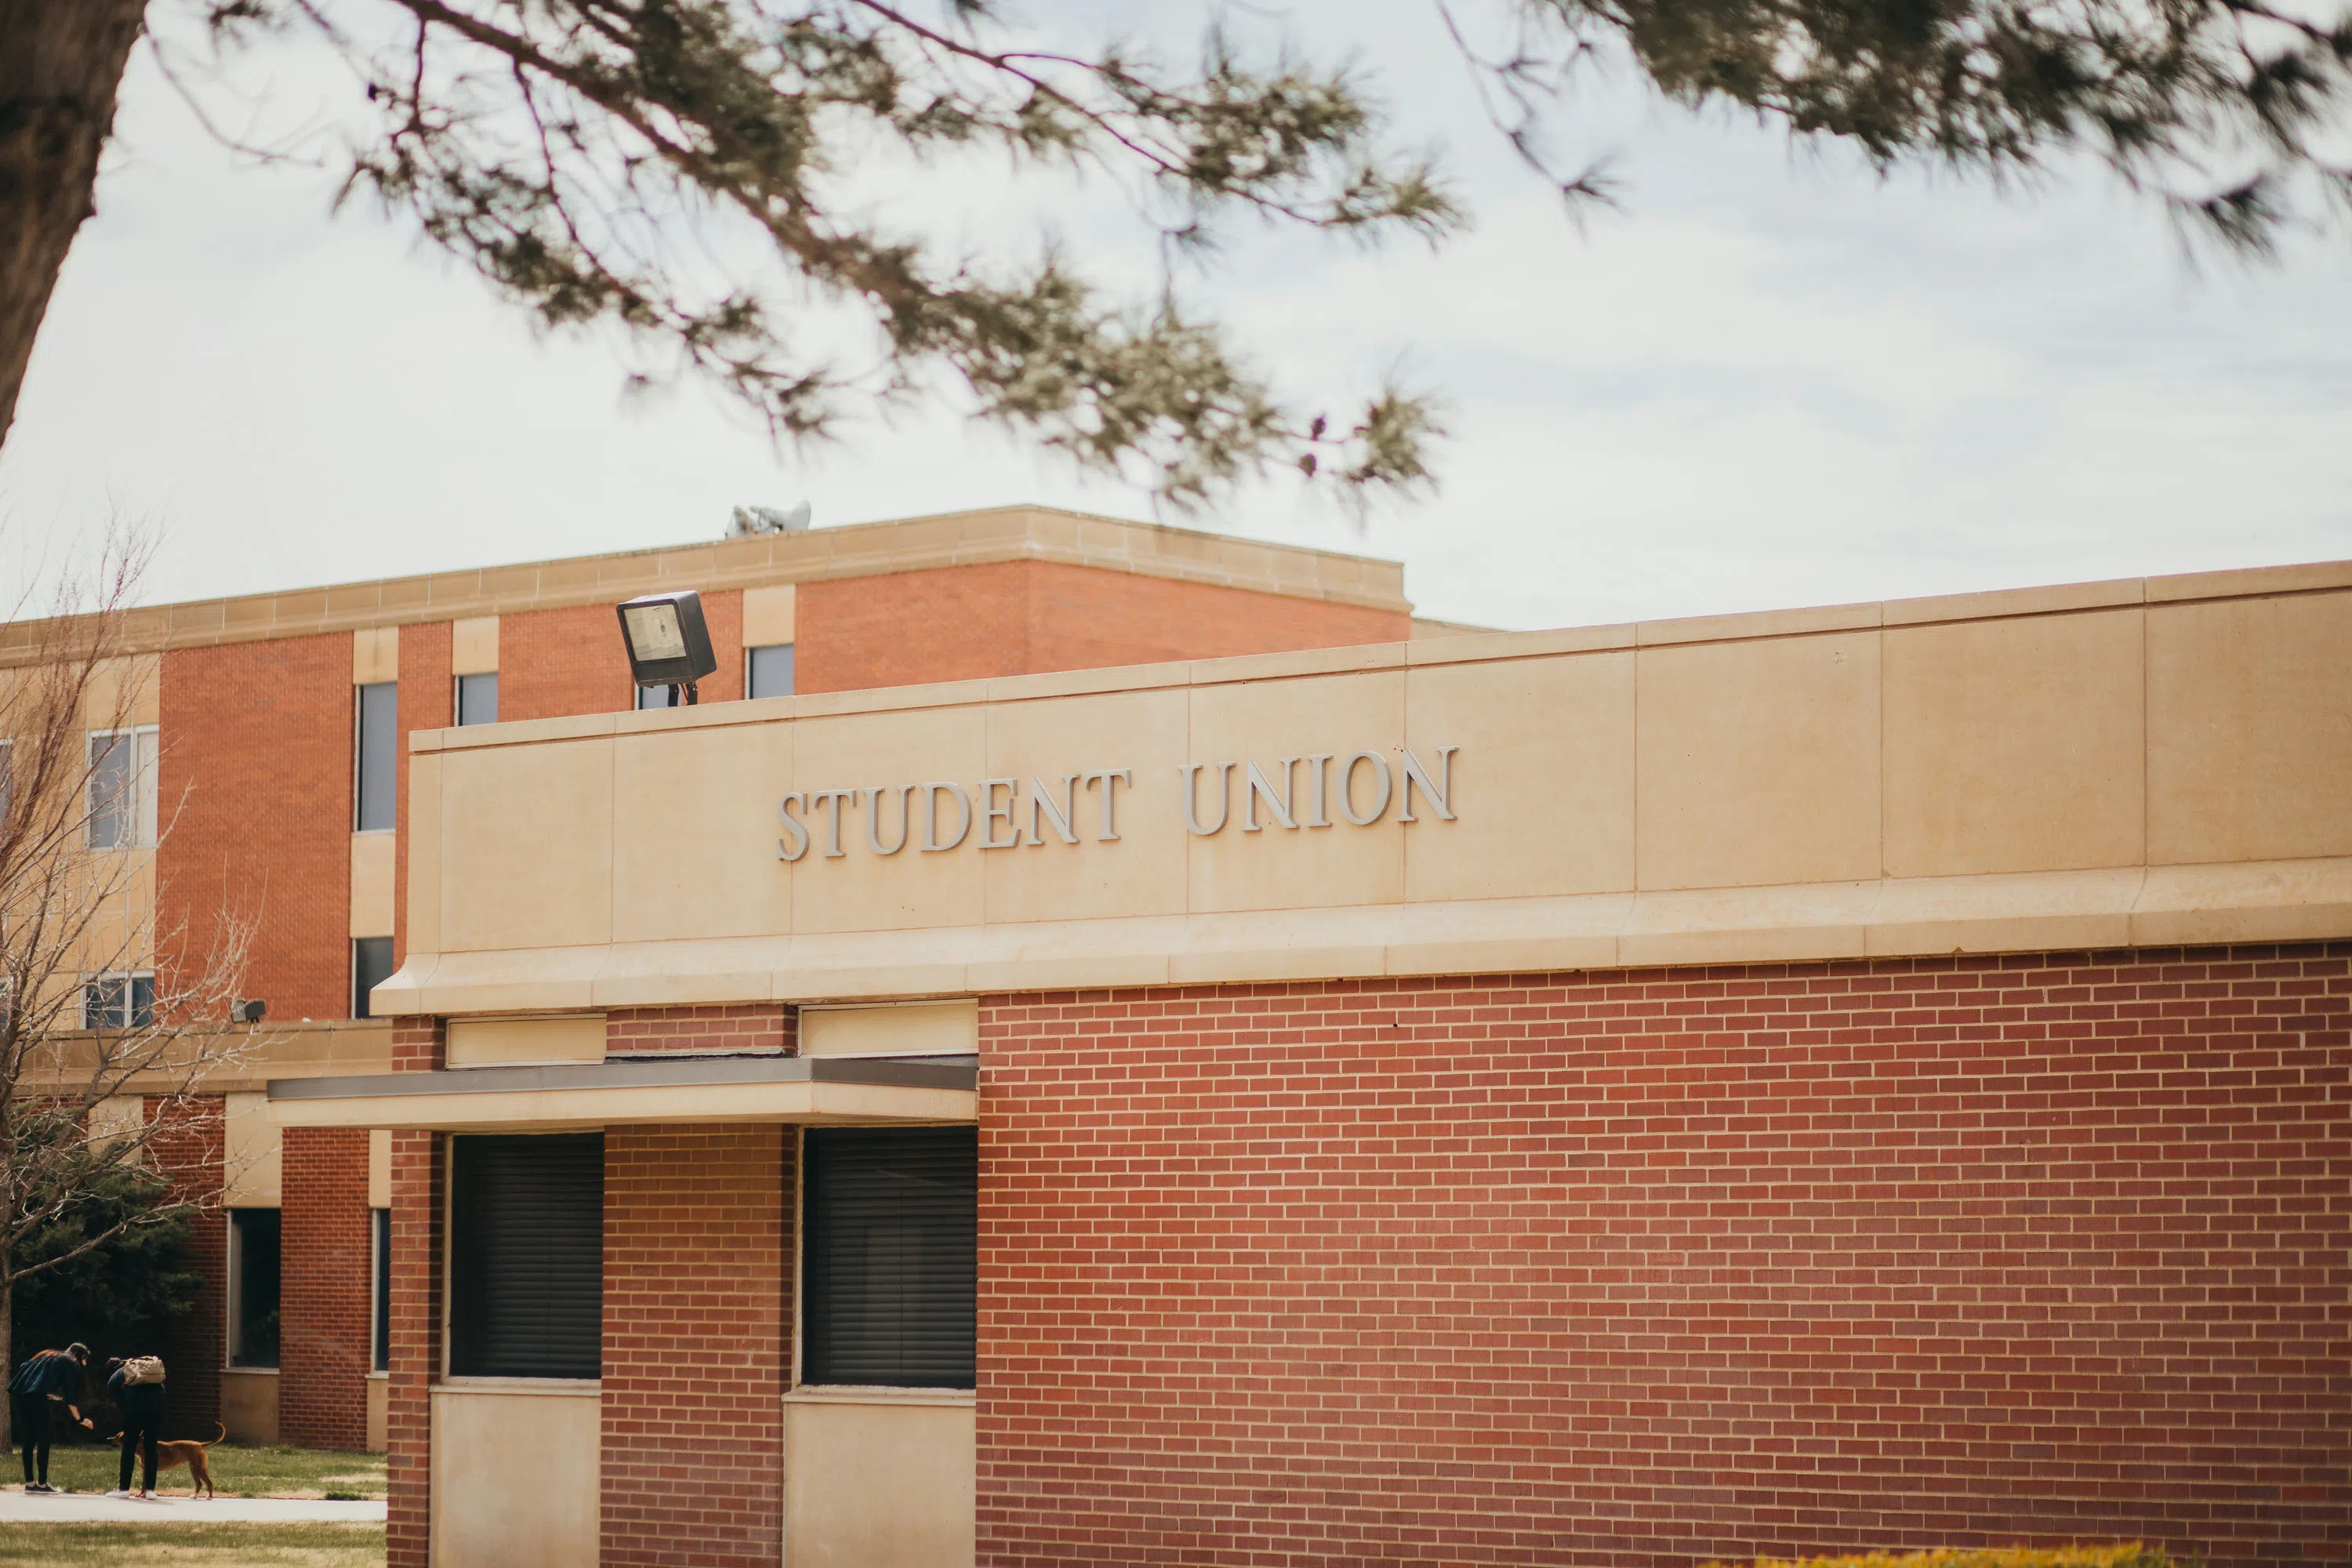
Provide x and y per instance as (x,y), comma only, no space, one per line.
(890,1273)
(527,1256)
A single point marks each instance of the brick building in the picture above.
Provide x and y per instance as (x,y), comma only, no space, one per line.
(282,726)
(1868,1077)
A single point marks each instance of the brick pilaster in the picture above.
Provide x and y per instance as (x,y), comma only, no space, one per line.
(188,1147)
(697,1305)
(417,1163)
(418,1045)
(324,1307)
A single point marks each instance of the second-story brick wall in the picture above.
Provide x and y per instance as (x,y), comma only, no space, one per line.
(555,664)
(1083,618)
(255,789)
(1025,617)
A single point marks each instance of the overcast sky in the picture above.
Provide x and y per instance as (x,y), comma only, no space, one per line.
(1771,380)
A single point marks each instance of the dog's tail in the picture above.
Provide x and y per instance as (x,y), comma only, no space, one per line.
(224,1433)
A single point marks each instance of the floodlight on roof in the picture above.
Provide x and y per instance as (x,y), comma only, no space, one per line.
(669,643)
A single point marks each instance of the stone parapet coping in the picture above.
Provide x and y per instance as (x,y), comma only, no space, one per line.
(250,1057)
(2131,907)
(1421,652)
(863,550)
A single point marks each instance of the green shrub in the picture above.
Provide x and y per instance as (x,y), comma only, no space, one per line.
(117,1297)
(2127,1554)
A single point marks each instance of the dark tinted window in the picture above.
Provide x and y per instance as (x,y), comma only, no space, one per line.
(382,1219)
(379,727)
(768,671)
(371,967)
(891,1268)
(527,1256)
(477,699)
(253,1288)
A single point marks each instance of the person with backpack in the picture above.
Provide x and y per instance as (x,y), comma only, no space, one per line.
(136,1387)
(58,1375)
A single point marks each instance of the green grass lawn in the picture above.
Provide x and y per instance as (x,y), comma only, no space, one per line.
(239,1469)
(191,1545)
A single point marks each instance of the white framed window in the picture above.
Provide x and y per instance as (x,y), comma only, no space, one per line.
(768,671)
(122,788)
(7,774)
(117,1001)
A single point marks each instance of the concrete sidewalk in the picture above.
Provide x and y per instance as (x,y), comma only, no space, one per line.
(91,1508)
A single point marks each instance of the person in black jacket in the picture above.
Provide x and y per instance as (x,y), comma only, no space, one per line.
(50,1375)
(141,1407)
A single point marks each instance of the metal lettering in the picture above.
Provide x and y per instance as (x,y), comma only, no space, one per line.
(931,845)
(1059,816)
(1315,768)
(991,813)
(1347,787)
(795,843)
(1288,803)
(874,818)
(831,800)
(1111,779)
(1415,773)
(1258,789)
(1191,798)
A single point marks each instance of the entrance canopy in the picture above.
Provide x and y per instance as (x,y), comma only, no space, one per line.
(647,1090)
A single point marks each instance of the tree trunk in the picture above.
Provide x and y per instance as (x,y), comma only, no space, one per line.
(61,63)
(7,1345)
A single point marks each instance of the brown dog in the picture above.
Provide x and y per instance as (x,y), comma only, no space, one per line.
(170,1454)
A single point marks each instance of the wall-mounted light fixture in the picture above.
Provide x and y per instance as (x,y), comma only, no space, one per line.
(668,645)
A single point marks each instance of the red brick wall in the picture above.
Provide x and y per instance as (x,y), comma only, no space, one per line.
(416,1205)
(428,699)
(188,1144)
(1085,617)
(738,1028)
(558,663)
(255,792)
(1015,617)
(1649,1267)
(326,1253)
(698,1272)
(417,1046)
